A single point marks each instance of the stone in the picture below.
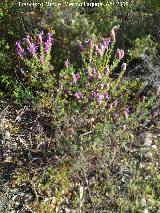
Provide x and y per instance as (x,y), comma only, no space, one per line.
(143,202)
(148,156)
(146,210)
(7,135)
(148,139)
(154,147)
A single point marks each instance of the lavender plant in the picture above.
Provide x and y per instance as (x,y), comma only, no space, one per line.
(34,56)
(95,114)
(93,91)
(87,91)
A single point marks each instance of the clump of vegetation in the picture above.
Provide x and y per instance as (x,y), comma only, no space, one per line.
(75,116)
(95,115)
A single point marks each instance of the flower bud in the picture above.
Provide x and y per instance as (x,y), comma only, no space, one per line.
(99,98)
(78,95)
(106,70)
(101,86)
(106,96)
(155,114)
(119,54)
(75,77)
(32,48)
(126,113)
(124,66)
(19,49)
(80,46)
(42,59)
(66,64)
(106,42)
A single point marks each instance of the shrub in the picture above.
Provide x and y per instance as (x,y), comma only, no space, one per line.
(90,92)
(95,113)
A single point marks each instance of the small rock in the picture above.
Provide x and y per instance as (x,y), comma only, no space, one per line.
(146,211)
(148,137)
(148,156)
(141,165)
(145,138)
(7,135)
(8,159)
(17,203)
(143,202)
(154,147)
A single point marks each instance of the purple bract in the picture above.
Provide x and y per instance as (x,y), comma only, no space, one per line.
(41,59)
(106,42)
(48,43)
(106,70)
(80,46)
(119,54)
(75,77)
(32,48)
(19,49)
(99,98)
(78,96)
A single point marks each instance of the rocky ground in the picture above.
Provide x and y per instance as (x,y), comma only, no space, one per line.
(17,150)
(19,129)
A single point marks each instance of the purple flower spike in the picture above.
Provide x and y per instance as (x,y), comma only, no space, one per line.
(42,59)
(48,43)
(66,64)
(78,96)
(98,76)
(101,86)
(89,70)
(80,46)
(92,73)
(106,96)
(96,48)
(106,42)
(49,36)
(92,95)
(90,78)
(155,114)
(119,54)
(126,113)
(47,46)
(19,49)
(32,48)
(100,50)
(106,70)
(99,98)
(124,66)
(75,77)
